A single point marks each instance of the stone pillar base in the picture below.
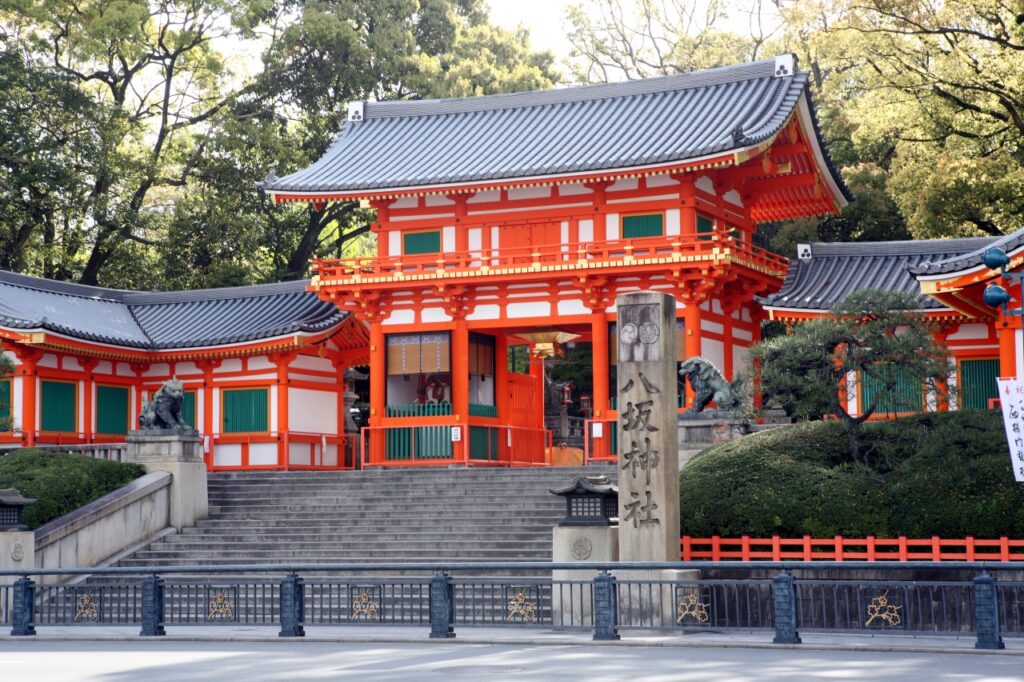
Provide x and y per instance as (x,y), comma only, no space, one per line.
(573,604)
(17,553)
(181,455)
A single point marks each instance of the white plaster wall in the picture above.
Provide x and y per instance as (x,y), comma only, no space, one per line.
(448,239)
(157,369)
(739,359)
(742,334)
(661,181)
(312,411)
(216,410)
(573,306)
(48,360)
(487,196)
(272,398)
(533,309)
(713,327)
(330,455)
(733,197)
(229,365)
(529,193)
(672,221)
(394,243)
(485,312)
(474,237)
(227,455)
(298,453)
(438,200)
(71,364)
(262,454)
(186,369)
(124,369)
(852,398)
(611,226)
(104,367)
(313,362)
(586,231)
(401,317)
(434,315)
(624,184)
(714,351)
(405,202)
(261,362)
(16,404)
(967,332)
(572,189)
(705,183)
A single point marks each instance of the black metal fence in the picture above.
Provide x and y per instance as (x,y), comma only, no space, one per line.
(493,595)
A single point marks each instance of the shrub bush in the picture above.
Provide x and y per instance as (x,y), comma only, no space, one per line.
(941,473)
(60,481)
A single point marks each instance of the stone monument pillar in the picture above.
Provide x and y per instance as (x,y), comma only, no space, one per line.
(181,455)
(17,542)
(648,436)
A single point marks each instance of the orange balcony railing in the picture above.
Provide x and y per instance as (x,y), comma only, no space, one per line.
(543,258)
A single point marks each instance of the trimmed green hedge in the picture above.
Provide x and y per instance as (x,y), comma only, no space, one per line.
(943,473)
(61,482)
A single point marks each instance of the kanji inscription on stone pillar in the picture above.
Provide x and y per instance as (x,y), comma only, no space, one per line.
(648,428)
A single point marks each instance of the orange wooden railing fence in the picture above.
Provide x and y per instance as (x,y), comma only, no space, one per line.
(839,548)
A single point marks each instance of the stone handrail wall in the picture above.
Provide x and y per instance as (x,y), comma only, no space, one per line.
(108,526)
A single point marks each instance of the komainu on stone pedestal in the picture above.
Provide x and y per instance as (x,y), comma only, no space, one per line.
(708,384)
(162,414)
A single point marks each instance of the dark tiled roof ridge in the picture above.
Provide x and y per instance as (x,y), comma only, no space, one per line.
(1009,243)
(899,247)
(720,75)
(129,297)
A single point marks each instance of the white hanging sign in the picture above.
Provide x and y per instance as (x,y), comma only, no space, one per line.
(1011,398)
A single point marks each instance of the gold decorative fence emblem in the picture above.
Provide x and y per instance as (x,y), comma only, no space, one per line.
(220,607)
(519,606)
(879,608)
(691,607)
(86,607)
(365,606)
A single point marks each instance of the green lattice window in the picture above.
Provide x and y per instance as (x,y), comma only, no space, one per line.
(978,383)
(648,225)
(421,242)
(5,405)
(188,409)
(907,397)
(58,406)
(705,226)
(112,409)
(245,410)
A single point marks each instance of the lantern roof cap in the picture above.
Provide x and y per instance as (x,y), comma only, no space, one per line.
(12,497)
(599,485)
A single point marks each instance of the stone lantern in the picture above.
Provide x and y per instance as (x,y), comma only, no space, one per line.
(11,504)
(590,501)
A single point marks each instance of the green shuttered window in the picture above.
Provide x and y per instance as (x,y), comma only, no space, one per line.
(978,383)
(421,242)
(5,405)
(57,406)
(111,409)
(188,408)
(650,225)
(705,226)
(245,410)
(908,396)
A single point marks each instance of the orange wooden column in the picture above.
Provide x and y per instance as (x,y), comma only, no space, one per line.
(27,369)
(282,361)
(207,423)
(88,404)
(599,351)
(378,388)
(1007,350)
(691,330)
(537,372)
(460,371)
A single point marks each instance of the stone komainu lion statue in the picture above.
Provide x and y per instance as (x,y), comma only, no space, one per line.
(709,384)
(163,411)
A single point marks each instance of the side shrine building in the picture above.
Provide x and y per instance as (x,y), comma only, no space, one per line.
(503,223)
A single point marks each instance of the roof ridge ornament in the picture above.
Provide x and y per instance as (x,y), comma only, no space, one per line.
(785,65)
(803,251)
(355,111)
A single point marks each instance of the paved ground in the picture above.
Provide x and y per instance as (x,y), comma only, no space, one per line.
(317,660)
(250,653)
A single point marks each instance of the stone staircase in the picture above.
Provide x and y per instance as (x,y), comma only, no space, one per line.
(395,515)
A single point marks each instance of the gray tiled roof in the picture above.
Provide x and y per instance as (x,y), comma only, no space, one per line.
(163,320)
(550,132)
(835,271)
(1009,243)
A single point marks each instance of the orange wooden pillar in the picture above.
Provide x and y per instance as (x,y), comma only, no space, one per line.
(1007,349)
(599,352)
(88,404)
(537,372)
(207,427)
(501,392)
(27,369)
(460,382)
(284,446)
(691,331)
(378,388)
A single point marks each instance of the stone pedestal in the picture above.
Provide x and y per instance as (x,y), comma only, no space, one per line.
(573,603)
(181,455)
(17,553)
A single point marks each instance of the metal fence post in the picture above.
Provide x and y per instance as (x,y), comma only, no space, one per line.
(23,613)
(152,607)
(784,609)
(606,607)
(442,606)
(986,613)
(293,606)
